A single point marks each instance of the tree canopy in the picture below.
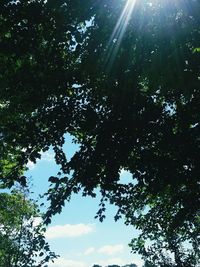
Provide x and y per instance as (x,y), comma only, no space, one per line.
(122,77)
(22,241)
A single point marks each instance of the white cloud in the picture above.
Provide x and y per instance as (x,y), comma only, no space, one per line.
(138,262)
(69,230)
(111,249)
(37,221)
(61,262)
(47,156)
(111,261)
(30,165)
(119,261)
(89,251)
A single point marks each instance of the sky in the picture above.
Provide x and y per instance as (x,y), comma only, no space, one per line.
(79,238)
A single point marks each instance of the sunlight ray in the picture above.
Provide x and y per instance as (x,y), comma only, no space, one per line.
(118,32)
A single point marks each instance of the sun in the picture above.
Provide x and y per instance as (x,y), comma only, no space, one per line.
(120,29)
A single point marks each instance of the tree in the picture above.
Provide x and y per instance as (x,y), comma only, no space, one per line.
(22,242)
(130,97)
(38,69)
(143,117)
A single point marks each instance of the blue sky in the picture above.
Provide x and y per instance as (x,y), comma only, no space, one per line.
(75,235)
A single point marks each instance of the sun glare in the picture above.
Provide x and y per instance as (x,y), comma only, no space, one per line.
(118,32)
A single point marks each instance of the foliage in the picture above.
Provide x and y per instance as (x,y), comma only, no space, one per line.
(38,70)
(129,96)
(22,242)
